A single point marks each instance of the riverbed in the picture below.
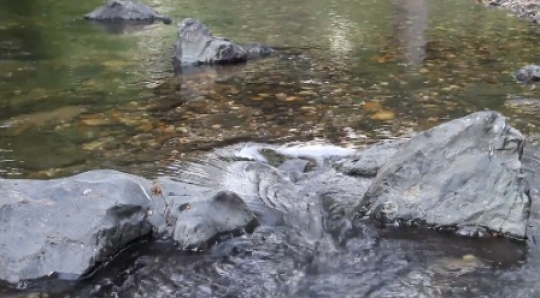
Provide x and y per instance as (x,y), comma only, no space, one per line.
(75,97)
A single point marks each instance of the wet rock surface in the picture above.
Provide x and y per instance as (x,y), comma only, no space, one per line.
(527,74)
(464,175)
(197,46)
(257,50)
(131,11)
(67,227)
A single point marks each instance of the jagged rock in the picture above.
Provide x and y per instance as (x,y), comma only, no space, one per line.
(197,46)
(68,226)
(527,74)
(464,175)
(124,10)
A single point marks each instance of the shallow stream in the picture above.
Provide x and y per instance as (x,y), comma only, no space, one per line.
(75,97)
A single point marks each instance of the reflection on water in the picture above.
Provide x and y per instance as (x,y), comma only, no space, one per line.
(70,89)
(335,57)
(411,23)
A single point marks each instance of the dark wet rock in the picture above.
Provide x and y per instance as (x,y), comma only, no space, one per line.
(222,216)
(464,175)
(197,46)
(68,226)
(120,10)
(528,74)
(257,50)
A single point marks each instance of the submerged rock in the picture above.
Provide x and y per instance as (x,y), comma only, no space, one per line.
(197,46)
(125,10)
(527,74)
(464,175)
(257,50)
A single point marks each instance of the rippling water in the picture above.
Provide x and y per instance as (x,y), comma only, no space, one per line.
(74,97)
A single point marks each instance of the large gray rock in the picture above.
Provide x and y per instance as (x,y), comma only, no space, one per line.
(464,175)
(67,226)
(71,225)
(125,10)
(197,46)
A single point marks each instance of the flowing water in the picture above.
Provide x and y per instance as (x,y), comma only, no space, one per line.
(76,96)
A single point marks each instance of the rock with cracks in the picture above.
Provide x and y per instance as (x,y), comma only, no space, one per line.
(464,175)
(197,46)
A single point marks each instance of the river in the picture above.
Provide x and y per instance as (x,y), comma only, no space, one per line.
(75,97)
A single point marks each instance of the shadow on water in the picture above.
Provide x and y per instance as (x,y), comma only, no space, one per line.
(352,72)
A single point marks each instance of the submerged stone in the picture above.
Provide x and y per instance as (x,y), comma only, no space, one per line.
(258,50)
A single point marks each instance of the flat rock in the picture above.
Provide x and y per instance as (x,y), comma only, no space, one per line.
(197,46)
(464,175)
(124,10)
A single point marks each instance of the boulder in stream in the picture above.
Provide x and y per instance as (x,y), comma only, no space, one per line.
(197,46)
(528,74)
(125,10)
(68,227)
(464,175)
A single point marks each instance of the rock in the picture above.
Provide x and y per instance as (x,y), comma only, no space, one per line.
(528,74)
(68,226)
(197,46)
(523,9)
(256,50)
(125,10)
(199,223)
(464,175)
(367,162)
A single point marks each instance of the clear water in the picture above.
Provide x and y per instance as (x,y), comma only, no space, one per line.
(75,97)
